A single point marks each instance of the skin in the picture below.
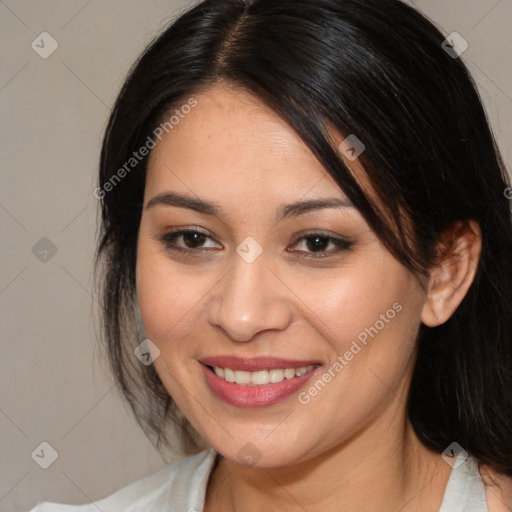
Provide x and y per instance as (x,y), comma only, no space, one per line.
(353,436)
(498,489)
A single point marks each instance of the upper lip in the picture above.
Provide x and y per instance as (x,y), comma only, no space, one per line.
(255,363)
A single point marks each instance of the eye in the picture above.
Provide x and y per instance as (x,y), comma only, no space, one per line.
(191,239)
(317,244)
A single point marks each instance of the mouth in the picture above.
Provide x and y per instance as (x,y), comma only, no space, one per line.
(256,382)
(260,377)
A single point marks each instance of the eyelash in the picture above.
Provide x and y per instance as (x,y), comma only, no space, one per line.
(342,244)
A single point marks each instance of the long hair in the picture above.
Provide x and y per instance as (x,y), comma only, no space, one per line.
(376,69)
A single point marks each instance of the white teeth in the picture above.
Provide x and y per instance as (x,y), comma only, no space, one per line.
(242,377)
(276,376)
(260,377)
(229,375)
(300,371)
(289,373)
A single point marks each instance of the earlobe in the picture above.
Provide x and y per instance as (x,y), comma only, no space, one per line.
(458,255)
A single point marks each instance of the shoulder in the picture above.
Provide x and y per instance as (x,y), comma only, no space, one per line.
(174,487)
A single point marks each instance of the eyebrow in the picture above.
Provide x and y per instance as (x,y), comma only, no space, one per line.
(284,211)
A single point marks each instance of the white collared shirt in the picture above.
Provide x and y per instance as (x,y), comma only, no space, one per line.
(181,487)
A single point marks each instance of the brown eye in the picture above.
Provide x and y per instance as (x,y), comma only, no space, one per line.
(191,239)
(317,243)
(320,242)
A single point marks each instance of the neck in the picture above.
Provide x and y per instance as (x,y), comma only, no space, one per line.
(384,468)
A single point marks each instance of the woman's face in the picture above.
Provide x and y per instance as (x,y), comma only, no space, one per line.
(265,288)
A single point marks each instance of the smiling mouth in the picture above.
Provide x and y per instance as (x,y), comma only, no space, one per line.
(260,377)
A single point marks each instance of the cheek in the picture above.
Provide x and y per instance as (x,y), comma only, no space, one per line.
(369,319)
(167,295)
(168,301)
(371,331)
(358,303)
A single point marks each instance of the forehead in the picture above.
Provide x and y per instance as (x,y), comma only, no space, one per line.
(232,141)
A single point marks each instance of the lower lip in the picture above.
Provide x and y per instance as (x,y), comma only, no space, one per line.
(255,396)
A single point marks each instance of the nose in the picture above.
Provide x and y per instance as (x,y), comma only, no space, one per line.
(250,299)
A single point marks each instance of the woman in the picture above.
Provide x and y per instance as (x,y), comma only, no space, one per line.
(304,203)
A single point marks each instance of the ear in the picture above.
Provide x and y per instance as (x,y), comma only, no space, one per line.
(458,253)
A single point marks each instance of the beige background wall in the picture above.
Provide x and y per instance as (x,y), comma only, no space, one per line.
(53,387)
